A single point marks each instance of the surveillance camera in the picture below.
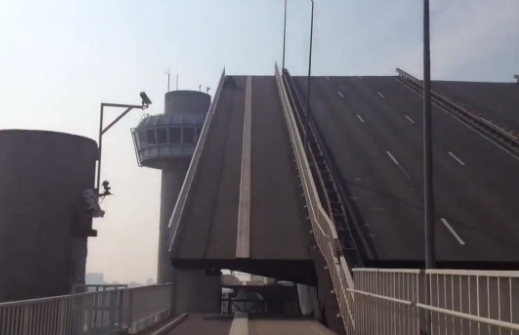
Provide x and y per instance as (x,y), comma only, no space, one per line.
(145,100)
(107,188)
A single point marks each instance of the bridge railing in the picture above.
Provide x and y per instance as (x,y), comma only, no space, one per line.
(389,301)
(323,228)
(186,186)
(96,313)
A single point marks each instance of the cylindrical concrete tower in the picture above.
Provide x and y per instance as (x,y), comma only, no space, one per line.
(167,142)
(43,232)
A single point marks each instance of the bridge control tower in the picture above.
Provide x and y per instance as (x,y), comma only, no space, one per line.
(167,142)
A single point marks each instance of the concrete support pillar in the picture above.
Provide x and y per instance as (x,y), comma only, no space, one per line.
(196,292)
(172,179)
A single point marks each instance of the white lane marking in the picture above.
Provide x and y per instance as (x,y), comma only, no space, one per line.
(328,78)
(393,158)
(243,230)
(173,323)
(453,232)
(240,324)
(410,120)
(466,125)
(360,77)
(456,158)
(360,118)
(342,96)
(398,164)
(380,94)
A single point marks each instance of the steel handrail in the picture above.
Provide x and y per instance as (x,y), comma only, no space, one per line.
(323,228)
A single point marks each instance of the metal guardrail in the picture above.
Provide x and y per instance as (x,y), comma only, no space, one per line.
(338,207)
(186,186)
(391,301)
(323,228)
(502,137)
(95,313)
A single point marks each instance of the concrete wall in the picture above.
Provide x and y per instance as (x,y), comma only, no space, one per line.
(186,102)
(42,177)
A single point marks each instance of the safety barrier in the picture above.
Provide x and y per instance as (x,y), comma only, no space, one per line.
(184,191)
(323,229)
(96,313)
(391,301)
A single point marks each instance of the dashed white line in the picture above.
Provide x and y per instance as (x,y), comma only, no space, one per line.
(393,158)
(456,158)
(410,120)
(340,94)
(360,77)
(360,118)
(328,78)
(471,128)
(380,94)
(398,164)
(453,232)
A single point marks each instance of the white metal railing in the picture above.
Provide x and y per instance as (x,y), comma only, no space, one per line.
(389,301)
(323,228)
(94,313)
(184,191)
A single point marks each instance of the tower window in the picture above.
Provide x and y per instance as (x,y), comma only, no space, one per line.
(162,135)
(142,138)
(188,135)
(174,135)
(151,136)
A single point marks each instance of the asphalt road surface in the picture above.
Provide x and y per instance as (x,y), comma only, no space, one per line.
(373,127)
(286,326)
(200,324)
(210,219)
(495,101)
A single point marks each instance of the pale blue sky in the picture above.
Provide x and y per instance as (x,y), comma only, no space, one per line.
(60,58)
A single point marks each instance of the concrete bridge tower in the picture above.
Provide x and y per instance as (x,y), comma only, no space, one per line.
(167,142)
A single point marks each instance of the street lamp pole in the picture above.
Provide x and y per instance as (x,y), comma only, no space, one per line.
(309,79)
(145,103)
(284,36)
(430,252)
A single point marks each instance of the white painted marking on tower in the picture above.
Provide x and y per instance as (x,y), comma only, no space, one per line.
(453,232)
(243,233)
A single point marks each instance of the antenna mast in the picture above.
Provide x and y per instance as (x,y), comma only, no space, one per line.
(169,75)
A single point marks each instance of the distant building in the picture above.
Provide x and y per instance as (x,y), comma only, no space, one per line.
(94,279)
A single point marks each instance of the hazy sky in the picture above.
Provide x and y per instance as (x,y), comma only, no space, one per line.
(60,58)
